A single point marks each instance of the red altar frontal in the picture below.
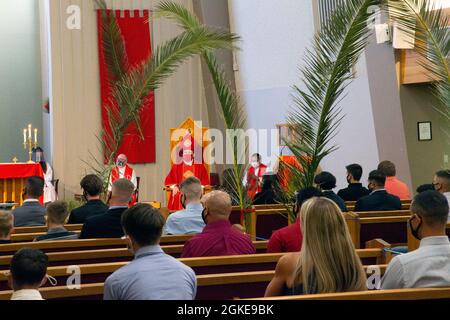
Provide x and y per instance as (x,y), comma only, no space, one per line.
(12,180)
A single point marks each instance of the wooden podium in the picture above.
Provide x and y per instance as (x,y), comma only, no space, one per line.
(12,180)
(188,126)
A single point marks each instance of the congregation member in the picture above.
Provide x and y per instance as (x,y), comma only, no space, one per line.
(57,213)
(393,185)
(218,238)
(92,187)
(355,189)
(152,275)
(429,265)
(328,262)
(290,238)
(49,189)
(267,194)
(253,180)
(379,199)
(327,182)
(108,225)
(189,220)
(441,183)
(28,272)
(31,213)
(6,226)
(425,187)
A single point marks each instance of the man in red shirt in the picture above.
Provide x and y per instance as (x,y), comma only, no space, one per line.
(393,185)
(290,238)
(218,238)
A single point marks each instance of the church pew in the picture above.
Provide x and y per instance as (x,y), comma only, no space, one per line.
(395,294)
(69,227)
(221,286)
(27,237)
(406,204)
(389,228)
(57,258)
(82,244)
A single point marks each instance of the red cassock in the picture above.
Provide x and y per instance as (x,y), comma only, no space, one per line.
(181,172)
(253,185)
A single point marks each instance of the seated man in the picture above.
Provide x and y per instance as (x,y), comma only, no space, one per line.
(267,194)
(31,213)
(189,220)
(393,185)
(57,213)
(152,275)
(218,238)
(441,183)
(28,273)
(6,226)
(290,238)
(428,266)
(92,187)
(108,225)
(379,199)
(355,190)
(327,182)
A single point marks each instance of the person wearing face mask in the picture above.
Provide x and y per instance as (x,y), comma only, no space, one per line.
(219,237)
(123,171)
(428,266)
(378,199)
(181,170)
(290,238)
(355,189)
(253,181)
(441,183)
(152,275)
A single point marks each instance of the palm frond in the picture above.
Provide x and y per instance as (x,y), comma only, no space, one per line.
(316,114)
(232,111)
(430,28)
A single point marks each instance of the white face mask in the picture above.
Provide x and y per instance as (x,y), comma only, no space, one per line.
(255,164)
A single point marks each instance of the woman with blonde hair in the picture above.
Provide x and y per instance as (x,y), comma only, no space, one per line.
(328,261)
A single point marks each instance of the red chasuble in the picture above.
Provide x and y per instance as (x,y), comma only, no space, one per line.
(181,172)
(253,186)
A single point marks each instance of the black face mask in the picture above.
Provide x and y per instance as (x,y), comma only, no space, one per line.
(348,179)
(415,232)
(204,216)
(183,201)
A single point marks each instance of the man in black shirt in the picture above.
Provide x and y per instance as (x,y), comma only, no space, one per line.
(92,188)
(326,182)
(355,189)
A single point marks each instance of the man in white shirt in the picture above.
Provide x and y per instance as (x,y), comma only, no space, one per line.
(441,183)
(428,266)
(28,273)
(189,220)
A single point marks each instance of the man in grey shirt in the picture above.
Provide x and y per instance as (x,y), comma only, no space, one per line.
(152,275)
(31,213)
(428,266)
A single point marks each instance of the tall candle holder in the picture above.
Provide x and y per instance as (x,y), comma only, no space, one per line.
(28,141)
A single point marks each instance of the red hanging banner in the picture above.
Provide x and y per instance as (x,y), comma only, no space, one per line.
(136,34)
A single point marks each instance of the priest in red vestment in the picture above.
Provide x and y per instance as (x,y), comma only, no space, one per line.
(253,179)
(123,171)
(183,170)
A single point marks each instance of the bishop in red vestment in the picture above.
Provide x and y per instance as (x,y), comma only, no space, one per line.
(181,171)
(254,176)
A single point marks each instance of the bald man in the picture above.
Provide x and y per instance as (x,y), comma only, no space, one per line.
(218,238)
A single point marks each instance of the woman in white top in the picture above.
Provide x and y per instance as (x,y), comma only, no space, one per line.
(49,188)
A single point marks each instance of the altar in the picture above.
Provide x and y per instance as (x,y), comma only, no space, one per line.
(12,179)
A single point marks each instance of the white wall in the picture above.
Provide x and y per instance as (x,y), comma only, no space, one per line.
(275,36)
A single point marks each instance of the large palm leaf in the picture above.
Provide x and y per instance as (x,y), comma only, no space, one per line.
(316,114)
(130,88)
(231,110)
(432,34)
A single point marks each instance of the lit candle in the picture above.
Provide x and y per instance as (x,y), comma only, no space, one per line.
(29,131)
(35,135)
(24,135)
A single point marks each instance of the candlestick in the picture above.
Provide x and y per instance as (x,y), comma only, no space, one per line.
(35,135)
(24,136)
(29,131)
